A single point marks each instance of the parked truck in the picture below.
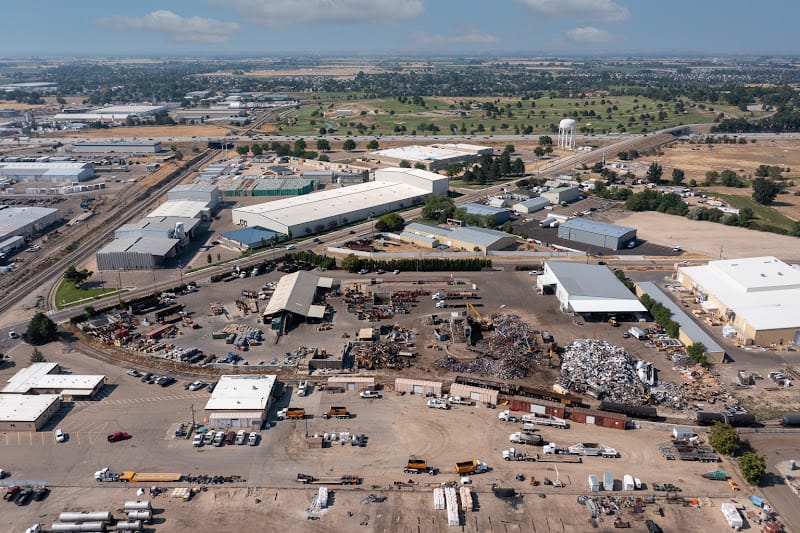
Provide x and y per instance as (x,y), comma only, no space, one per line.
(117,436)
(149,477)
(637,333)
(512,454)
(291,413)
(416,465)
(552,421)
(732,515)
(106,475)
(716,475)
(473,466)
(436,403)
(592,449)
(525,438)
(336,412)
(458,400)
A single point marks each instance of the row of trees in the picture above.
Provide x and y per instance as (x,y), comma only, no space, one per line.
(353,263)
(725,440)
(660,314)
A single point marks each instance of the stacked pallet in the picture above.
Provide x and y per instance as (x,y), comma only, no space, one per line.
(453,515)
(438,499)
(466,499)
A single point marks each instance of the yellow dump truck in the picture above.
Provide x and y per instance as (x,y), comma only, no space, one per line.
(149,477)
(471,467)
(416,465)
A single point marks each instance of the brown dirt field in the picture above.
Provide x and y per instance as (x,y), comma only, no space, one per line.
(200,130)
(697,159)
(706,238)
(18,105)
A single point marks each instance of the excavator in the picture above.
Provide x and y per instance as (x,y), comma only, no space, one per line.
(485,322)
(613,322)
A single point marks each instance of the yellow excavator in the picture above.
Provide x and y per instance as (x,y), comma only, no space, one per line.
(485,322)
(613,322)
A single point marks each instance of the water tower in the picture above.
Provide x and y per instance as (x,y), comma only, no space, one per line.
(566,134)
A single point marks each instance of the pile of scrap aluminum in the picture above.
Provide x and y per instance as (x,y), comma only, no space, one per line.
(112,328)
(688,451)
(603,370)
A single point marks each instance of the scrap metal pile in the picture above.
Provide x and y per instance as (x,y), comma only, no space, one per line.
(605,371)
(395,351)
(509,353)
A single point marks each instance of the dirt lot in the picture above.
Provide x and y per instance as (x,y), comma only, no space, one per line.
(396,426)
(708,238)
(199,130)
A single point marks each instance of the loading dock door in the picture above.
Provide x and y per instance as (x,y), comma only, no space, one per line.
(589,419)
(475,396)
(538,409)
(417,389)
(796,340)
(351,386)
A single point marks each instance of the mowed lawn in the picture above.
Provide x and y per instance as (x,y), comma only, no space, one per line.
(67,294)
(764,213)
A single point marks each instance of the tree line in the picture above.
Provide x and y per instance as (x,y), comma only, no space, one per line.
(354,263)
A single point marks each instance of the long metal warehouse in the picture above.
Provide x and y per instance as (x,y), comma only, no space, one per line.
(596,233)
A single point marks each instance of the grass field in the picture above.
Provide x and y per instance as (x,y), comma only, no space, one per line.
(765,213)
(67,294)
(384,116)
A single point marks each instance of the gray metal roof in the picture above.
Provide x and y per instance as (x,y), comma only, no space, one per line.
(593,226)
(535,202)
(295,293)
(481,209)
(13,218)
(470,234)
(144,245)
(593,281)
(161,223)
(689,326)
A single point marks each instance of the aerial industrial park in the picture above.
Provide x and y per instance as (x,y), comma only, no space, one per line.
(426,293)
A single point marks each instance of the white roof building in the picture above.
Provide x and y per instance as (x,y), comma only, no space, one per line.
(27,412)
(183,209)
(435,157)
(757,295)
(46,378)
(393,189)
(24,221)
(112,113)
(240,401)
(51,171)
(582,288)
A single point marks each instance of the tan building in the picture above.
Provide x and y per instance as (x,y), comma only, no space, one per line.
(476,394)
(467,237)
(757,296)
(240,401)
(417,386)
(27,412)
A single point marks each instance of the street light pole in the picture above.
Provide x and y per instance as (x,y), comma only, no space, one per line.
(119,287)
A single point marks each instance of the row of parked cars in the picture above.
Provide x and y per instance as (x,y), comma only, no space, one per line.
(23,495)
(219,438)
(150,378)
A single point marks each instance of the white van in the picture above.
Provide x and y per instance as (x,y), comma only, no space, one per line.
(302,388)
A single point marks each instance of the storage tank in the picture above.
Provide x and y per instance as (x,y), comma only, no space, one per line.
(791,419)
(96,516)
(145,514)
(88,527)
(137,505)
(129,525)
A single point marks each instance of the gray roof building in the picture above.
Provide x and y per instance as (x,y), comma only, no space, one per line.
(24,221)
(467,237)
(596,233)
(135,253)
(585,288)
(295,293)
(532,205)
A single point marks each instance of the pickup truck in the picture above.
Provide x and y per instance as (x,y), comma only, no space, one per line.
(336,412)
(291,413)
(458,400)
(117,436)
(472,466)
(436,403)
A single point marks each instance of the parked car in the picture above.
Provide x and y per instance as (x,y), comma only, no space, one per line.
(165,381)
(219,439)
(197,441)
(40,493)
(60,435)
(35,528)
(252,439)
(241,437)
(117,436)
(181,431)
(147,377)
(197,385)
(652,527)
(209,437)
(369,394)
(212,386)
(302,388)
(133,372)
(23,497)
(230,438)
(363,271)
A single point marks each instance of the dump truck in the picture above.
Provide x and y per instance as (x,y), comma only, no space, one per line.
(525,438)
(472,466)
(149,477)
(716,475)
(291,413)
(416,465)
(336,412)
(512,454)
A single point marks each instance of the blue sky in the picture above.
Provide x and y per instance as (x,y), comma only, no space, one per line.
(268,27)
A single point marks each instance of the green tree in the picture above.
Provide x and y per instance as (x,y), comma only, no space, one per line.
(349,145)
(300,147)
(351,263)
(438,207)
(178,155)
(753,467)
(323,145)
(546,140)
(390,222)
(256,149)
(90,311)
(654,172)
(404,163)
(41,330)
(77,276)
(724,439)
(538,151)
(678,175)
(765,190)
(323,157)
(37,356)
(510,148)
(373,145)
(697,351)
(242,149)
(419,165)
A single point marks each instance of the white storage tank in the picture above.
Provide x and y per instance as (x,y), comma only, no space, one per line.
(88,527)
(682,433)
(137,505)
(129,525)
(96,516)
(145,515)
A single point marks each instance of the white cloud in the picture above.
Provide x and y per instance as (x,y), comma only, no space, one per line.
(278,13)
(589,10)
(589,35)
(175,27)
(466,37)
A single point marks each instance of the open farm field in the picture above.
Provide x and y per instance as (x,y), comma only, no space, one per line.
(198,130)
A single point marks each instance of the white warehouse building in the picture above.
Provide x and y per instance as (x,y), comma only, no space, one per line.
(393,189)
(25,221)
(54,171)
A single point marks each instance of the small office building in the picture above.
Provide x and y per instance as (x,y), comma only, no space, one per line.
(240,401)
(596,233)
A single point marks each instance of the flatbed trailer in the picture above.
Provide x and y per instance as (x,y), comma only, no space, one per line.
(149,477)
(346,479)
(559,458)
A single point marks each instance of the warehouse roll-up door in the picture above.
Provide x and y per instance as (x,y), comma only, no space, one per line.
(797,338)
(351,386)
(417,389)
(538,409)
(589,419)
(475,396)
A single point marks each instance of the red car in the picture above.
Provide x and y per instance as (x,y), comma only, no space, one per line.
(117,436)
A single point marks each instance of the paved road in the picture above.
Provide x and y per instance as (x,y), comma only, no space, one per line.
(779,448)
